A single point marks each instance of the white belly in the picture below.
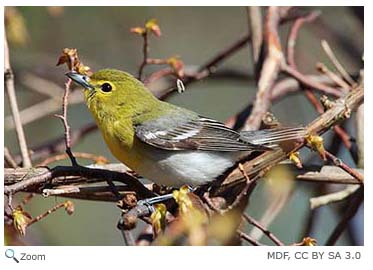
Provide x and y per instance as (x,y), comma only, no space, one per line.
(177,168)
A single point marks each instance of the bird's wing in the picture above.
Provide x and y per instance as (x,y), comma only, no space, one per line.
(201,133)
(272,137)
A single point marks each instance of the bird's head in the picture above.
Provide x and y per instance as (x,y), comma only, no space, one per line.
(109,91)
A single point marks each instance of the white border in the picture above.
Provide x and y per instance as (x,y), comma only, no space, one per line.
(183,3)
(198,257)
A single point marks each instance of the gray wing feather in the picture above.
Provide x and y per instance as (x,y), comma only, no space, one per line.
(197,133)
(192,132)
(271,137)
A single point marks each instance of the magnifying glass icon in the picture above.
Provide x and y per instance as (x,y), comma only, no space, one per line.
(9,253)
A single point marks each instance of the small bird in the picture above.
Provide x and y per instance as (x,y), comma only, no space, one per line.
(165,143)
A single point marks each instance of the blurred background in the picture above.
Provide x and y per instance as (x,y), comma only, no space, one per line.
(37,35)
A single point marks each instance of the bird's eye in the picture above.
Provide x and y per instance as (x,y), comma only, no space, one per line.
(106,87)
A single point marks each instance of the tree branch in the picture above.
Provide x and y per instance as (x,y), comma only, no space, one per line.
(258,166)
(309,94)
(63,118)
(43,176)
(80,187)
(9,83)
(9,159)
(270,69)
(309,83)
(338,162)
(349,214)
(263,229)
(145,51)
(336,63)
(332,197)
(256,29)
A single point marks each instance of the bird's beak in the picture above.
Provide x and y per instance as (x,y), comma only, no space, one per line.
(80,79)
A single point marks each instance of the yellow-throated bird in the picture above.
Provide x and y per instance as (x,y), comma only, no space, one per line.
(167,144)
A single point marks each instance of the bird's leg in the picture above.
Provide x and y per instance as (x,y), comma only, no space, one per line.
(159,199)
(154,200)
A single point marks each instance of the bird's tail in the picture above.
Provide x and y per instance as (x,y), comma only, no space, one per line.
(272,137)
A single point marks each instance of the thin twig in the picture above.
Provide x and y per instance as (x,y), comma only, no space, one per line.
(249,239)
(254,15)
(290,85)
(291,68)
(338,162)
(158,74)
(338,196)
(208,68)
(270,69)
(294,33)
(47,213)
(291,61)
(145,52)
(9,83)
(336,63)
(9,159)
(61,190)
(263,229)
(63,118)
(349,214)
(338,80)
(310,83)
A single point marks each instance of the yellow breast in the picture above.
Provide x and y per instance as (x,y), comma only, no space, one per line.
(122,142)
